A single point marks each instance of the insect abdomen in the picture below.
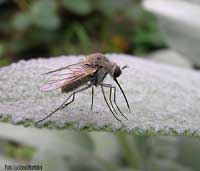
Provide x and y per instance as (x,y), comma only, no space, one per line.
(75,84)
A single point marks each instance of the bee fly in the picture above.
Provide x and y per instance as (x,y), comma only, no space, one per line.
(90,72)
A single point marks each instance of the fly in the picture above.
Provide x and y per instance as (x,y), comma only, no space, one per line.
(90,72)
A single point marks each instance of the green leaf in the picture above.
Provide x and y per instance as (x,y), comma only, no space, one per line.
(106,145)
(166,165)
(109,7)
(50,161)
(22,21)
(189,152)
(129,150)
(78,6)
(160,153)
(44,14)
(4,61)
(68,143)
(83,37)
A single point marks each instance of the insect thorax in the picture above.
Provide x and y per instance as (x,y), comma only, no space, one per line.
(98,77)
(103,66)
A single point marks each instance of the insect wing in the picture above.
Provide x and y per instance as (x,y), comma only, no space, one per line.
(65,75)
(63,68)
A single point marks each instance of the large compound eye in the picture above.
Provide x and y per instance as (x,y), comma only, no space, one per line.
(117,72)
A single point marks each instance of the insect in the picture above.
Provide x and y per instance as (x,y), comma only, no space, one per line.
(83,75)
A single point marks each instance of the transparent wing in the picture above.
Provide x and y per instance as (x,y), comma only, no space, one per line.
(65,75)
(65,67)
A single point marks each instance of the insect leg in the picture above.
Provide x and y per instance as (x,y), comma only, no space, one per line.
(108,104)
(117,104)
(64,104)
(92,97)
(110,95)
(113,87)
(53,111)
(73,96)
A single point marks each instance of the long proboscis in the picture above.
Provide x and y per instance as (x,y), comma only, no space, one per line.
(123,94)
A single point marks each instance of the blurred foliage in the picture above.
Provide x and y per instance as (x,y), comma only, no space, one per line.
(50,28)
(15,150)
(97,151)
(18,151)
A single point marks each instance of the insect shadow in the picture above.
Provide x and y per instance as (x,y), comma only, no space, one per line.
(88,73)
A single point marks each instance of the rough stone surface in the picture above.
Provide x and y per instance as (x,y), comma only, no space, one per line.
(170,57)
(163,98)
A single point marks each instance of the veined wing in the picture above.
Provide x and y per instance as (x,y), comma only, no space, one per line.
(62,68)
(66,75)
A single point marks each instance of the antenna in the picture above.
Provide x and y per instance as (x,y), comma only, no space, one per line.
(125,66)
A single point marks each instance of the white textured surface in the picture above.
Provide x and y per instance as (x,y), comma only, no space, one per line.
(163,98)
(170,57)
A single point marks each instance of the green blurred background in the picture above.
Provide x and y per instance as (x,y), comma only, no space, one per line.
(45,28)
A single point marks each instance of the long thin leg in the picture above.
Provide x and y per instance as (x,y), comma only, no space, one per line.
(64,104)
(117,104)
(53,111)
(108,104)
(92,97)
(112,87)
(73,96)
(110,99)
(110,96)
